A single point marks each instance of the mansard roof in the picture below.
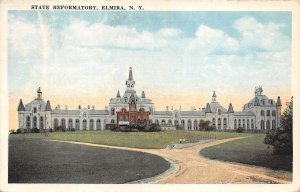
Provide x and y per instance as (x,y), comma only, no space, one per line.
(261,100)
(214,106)
(36,102)
(192,113)
(166,113)
(244,113)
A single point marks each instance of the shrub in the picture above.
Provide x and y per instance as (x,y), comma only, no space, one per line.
(72,129)
(240,130)
(19,131)
(153,128)
(34,130)
(50,130)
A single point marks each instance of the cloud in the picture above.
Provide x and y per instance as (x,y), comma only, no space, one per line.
(82,33)
(259,36)
(212,40)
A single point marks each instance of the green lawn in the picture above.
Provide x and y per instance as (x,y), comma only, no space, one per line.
(132,139)
(251,151)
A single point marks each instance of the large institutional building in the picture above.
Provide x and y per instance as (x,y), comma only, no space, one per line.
(259,113)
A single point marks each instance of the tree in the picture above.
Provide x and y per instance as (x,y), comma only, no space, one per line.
(282,138)
(206,126)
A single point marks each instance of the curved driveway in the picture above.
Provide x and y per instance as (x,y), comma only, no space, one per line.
(195,169)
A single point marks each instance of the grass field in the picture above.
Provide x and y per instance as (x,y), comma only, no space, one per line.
(132,139)
(39,161)
(251,151)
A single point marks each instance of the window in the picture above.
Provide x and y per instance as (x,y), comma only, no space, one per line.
(213,121)
(28,122)
(235,124)
(219,112)
(268,124)
(98,124)
(70,124)
(273,124)
(262,113)
(195,124)
(239,123)
(84,125)
(252,125)
(41,122)
(63,123)
(34,110)
(274,113)
(112,121)
(170,122)
(219,123)
(268,112)
(224,123)
(112,111)
(189,124)
(248,124)
(175,122)
(34,122)
(91,124)
(262,124)
(163,122)
(55,123)
(243,123)
(77,124)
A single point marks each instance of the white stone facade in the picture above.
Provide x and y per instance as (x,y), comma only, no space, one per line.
(260,113)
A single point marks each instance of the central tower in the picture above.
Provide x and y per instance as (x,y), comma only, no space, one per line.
(130,82)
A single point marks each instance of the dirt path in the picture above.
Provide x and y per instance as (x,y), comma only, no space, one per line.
(193,168)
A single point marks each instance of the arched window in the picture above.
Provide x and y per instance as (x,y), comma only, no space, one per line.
(252,124)
(214,122)
(41,122)
(235,124)
(77,124)
(262,113)
(268,112)
(112,121)
(219,112)
(176,122)
(262,124)
(219,123)
(273,124)
(224,123)
(189,124)
(28,122)
(84,124)
(239,122)
(170,122)
(195,124)
(91,124)
(182,123)
(34,122)
(34,110)
(55,123)
(163,122)
(244,123)
(63,123)
(98,124)
(268,124)
(274,113)
(70,123)
(142,110)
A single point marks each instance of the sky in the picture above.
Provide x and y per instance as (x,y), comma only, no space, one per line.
(178,58)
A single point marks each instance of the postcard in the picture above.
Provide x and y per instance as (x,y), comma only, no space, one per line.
(149,96)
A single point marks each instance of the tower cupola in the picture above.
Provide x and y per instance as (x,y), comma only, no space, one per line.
(214,97)
(21,106)
(39,93)
(258,90)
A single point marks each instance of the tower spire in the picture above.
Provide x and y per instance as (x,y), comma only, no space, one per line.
(130,74)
